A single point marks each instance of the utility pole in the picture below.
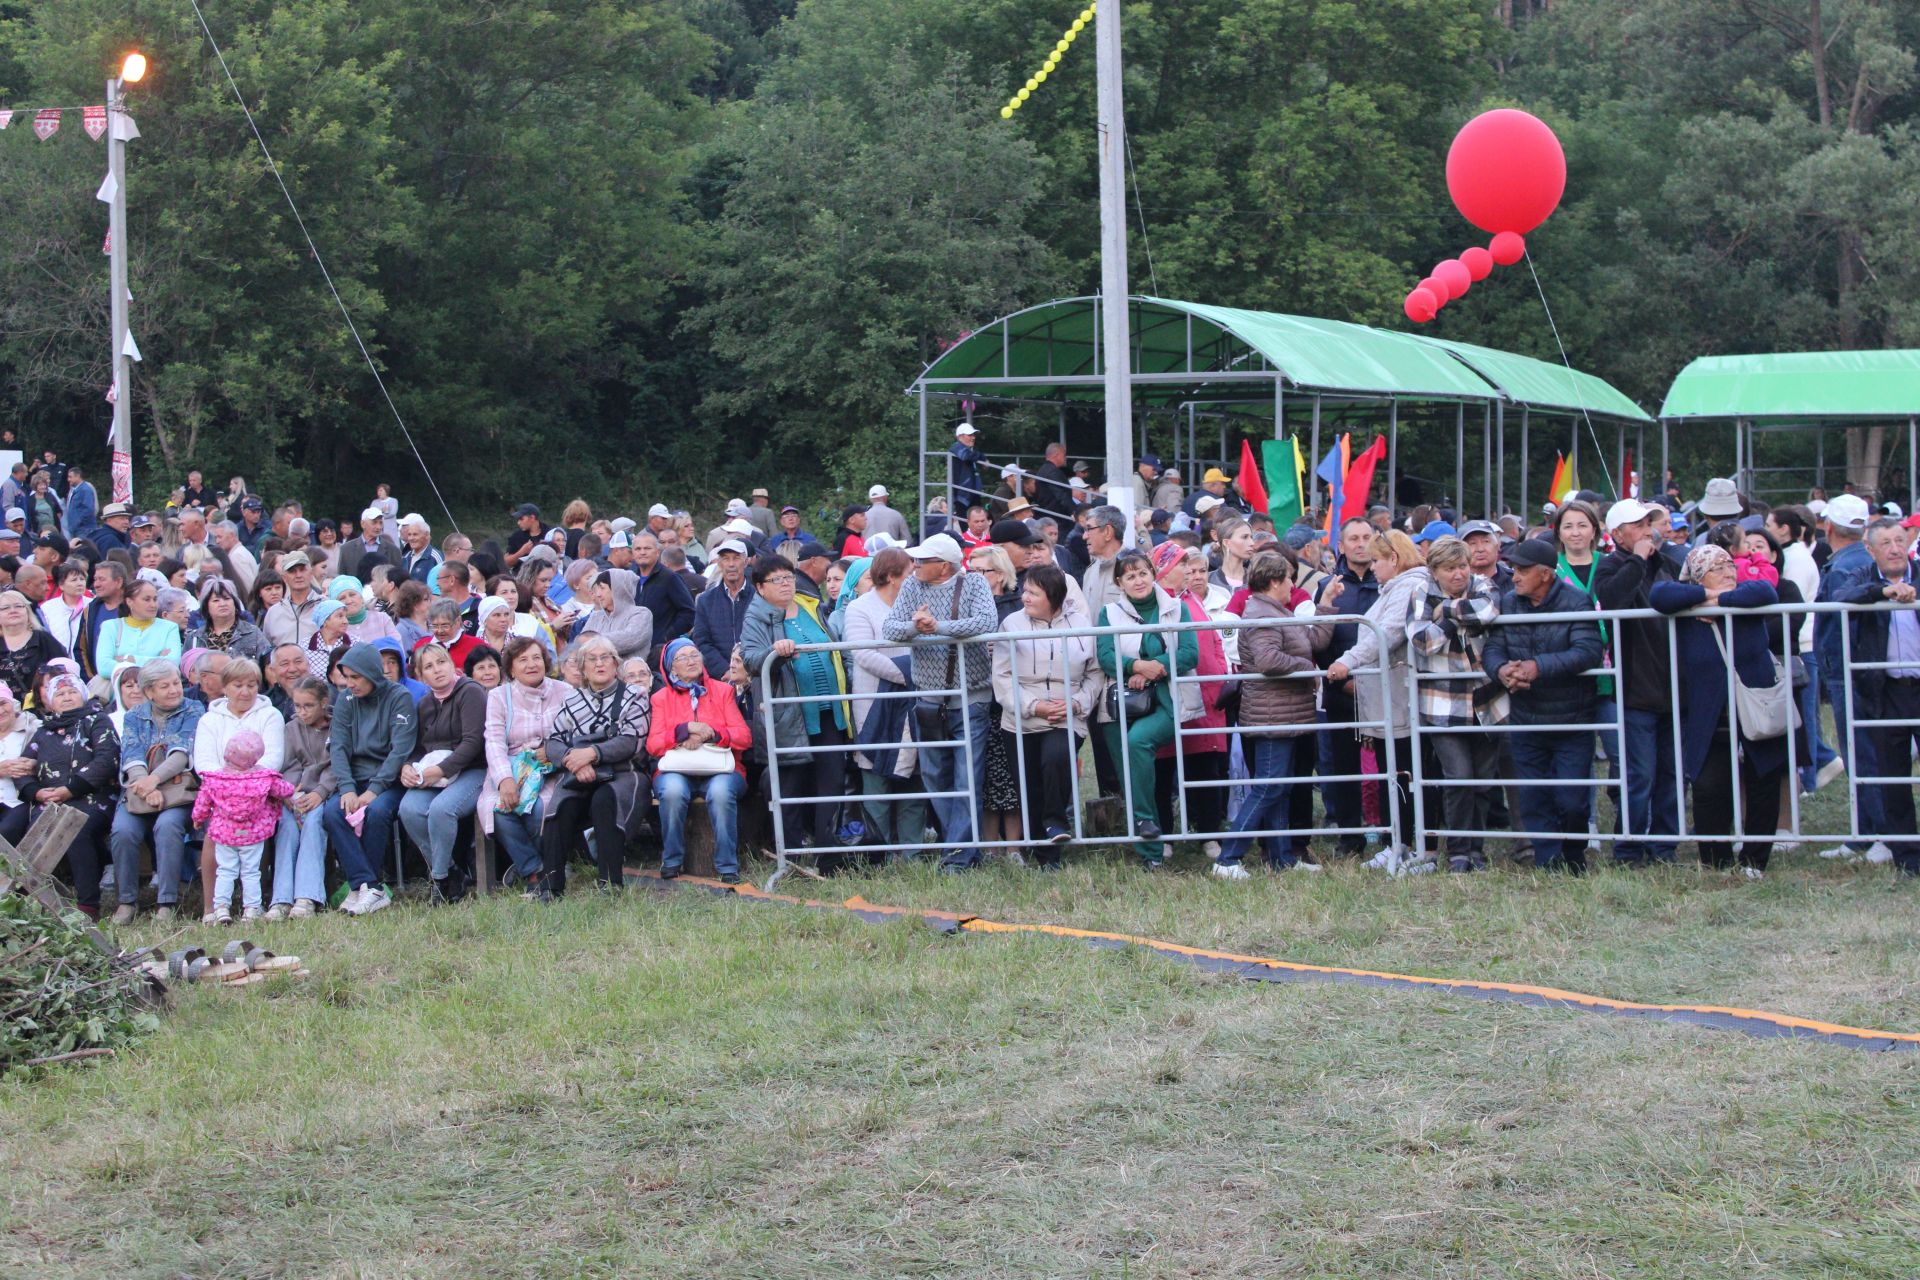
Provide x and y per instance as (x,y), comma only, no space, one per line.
(119,129)
(1116,346)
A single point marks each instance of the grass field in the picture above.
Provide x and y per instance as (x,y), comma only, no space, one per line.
(677,1084)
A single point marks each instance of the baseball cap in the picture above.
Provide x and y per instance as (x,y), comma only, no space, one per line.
(736,507)
(1081,468)
(1150,460)
(1472,527)
(15,513)
(1893,509)
(1208,502)
(372,513)
(1011,469)
(1534,551)
(524,510)
(1817,506)
(1626,511)
(1848,511)
(413,520)
(789,507)
(938,547)
(142,522)
(9,535)
(1722,499)
(660,510)
(1434,531)
(1214,476)
(811,550)
(619,541)
(253,503)
(1011,533)
(1077,484)
(54,540)
(731,544)
(963,430)
(878,491)
(621,524)
(295,560)
(742,527)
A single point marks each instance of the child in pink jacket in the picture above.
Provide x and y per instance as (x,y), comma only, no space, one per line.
(244,803)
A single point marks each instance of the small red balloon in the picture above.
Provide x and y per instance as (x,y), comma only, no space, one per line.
(1507,248)
(1422,306)
(1478,262)
(1506,171)
(1439,291)
(1454,275)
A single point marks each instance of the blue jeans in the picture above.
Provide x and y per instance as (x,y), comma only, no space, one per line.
(723,792)
(432,817)
(1856,748)
(1818,752)
(167,831)
(300,858)
(945,769)
(361,856)
(1560,812)
(519,835)
(1652,797)
(1267,805)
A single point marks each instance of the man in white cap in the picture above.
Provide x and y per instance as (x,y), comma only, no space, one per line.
(419,560)
(659,516)
(941,602)
(1624,579)
(722,607)
(963,469)
(370,542)
(620,551)
(1850,563)
(761,515)
(882,518)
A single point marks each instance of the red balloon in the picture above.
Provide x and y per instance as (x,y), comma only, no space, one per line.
(1507,248)
(1422,306)
(1506,171)
(1454,275)
(1439,291)
(1478,261)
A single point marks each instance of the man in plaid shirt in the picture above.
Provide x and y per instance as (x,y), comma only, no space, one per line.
(1446,631)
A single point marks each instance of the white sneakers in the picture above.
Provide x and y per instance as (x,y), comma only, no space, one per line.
(1828,772)
(1231,871)
(250,913)
(1387,860)
(277,912)
(1418,864)
(1753,873)
(303,908)
(366,900)
(1877,853)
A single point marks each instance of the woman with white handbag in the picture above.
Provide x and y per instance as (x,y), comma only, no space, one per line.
(1761,705)
(698,737)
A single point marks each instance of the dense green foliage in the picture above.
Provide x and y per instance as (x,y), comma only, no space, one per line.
(58,991)
(669,247)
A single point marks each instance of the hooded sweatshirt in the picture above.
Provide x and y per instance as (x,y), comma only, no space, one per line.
(629,626)
(372,736)
(387,644)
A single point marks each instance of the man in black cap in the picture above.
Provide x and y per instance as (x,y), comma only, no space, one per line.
(1541,664)
(532,531)
(813,561)
(253,528)
(143,530)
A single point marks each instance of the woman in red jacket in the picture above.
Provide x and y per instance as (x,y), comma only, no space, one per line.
(697,736)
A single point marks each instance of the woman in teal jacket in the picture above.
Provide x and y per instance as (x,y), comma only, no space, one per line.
(1141,662)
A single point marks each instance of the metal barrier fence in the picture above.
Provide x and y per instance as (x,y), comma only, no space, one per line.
(1395,740)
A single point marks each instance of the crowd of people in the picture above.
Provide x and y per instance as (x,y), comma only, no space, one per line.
(249,701)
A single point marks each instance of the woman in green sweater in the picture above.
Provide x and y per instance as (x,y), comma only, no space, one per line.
(1141,663)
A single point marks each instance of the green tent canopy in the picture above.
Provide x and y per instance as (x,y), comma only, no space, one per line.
(1798,386)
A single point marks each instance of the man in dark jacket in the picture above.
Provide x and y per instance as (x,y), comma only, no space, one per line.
(374,726)
(1623,581)
(1541,665)
(1339,748)
(722,607)
(963,469)
(1849,563)
(1052,487)
(661,593)
(1889,693)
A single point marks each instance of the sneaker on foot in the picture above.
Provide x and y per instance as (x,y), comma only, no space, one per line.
(277,912)
(1878,854)
(125,914)
(1828,772)
(729,878)
(1231,871)
(1304,865)
(1753,873)
(303,909)
(376,900)
(1416,864)
(350,905)
(1459,864)
(249,913)
(223,916)
(1059,835)
(213,917)
(1840,853)
(163,914)
(1784,841)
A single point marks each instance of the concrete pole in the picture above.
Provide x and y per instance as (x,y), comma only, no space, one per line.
(1113,261)
(117,233)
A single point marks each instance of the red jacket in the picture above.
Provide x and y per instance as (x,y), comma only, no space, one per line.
(673,711)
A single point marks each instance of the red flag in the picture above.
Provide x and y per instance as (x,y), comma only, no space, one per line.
(94,121)
(1249,481)
(47,123)
(1359,482)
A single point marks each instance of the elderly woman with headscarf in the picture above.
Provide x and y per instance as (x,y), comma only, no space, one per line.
(699,738)
(156,748)
(17,728)
(329,637)
(76,758)
(616,616)
(1701,649)
(364,623)
(596,743)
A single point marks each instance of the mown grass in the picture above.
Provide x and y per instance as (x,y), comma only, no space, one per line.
(677,1084)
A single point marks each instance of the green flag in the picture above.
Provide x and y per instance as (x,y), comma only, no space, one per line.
(1282,462)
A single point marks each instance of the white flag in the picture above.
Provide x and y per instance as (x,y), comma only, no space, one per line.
(130,349)
(108,189)
(123,127)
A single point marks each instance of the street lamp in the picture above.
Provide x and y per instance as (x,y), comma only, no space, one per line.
(120,128)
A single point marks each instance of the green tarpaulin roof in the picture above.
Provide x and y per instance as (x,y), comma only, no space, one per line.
(1047,353)
(1798,384)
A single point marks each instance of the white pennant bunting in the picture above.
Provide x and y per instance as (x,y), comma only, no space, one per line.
(47,123)
(94,121)
(6,118)
(108,189)
(130,349)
